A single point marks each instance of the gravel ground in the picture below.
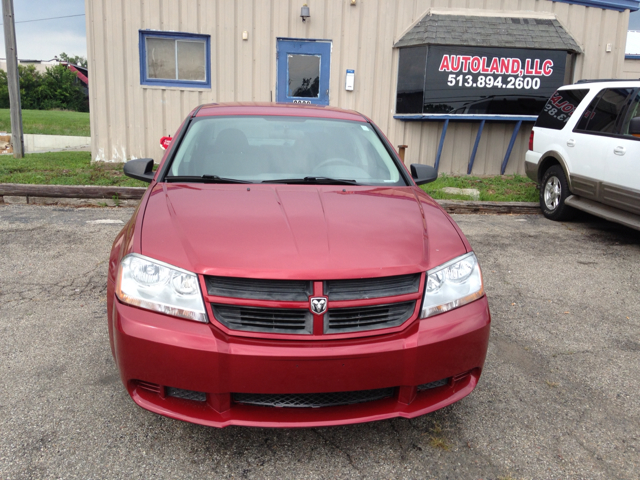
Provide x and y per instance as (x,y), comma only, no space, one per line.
(558,398)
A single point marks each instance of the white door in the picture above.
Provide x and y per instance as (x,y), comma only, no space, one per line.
(621,186)
(593,138)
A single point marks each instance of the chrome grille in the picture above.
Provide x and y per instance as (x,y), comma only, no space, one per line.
(312,400)
(269,320)
(363,288)
(356,319)
(258,289)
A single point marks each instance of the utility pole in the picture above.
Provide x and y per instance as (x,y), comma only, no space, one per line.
(13,79)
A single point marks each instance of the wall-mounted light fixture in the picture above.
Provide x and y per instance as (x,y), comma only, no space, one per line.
(304,12)
(353,2)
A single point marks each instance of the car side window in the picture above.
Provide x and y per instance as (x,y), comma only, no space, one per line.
(602,114)
(560,107)
(631,123)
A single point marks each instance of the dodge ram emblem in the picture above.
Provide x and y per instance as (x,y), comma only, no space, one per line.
(318,305)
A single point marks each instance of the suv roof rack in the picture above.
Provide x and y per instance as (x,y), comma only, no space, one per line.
(606,80)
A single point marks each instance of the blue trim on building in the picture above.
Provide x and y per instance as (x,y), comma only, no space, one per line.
(468,118)
(619,5)
(163,82)
(441,144)
(512,142)
(632,57)
(475,148)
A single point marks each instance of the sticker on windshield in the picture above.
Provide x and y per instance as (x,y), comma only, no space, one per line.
(364,127)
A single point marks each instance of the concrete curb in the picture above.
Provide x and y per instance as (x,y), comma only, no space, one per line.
(79,195)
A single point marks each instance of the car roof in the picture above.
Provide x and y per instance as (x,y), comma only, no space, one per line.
(277,109)
(603,84)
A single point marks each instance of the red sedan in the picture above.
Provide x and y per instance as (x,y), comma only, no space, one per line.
(284,269)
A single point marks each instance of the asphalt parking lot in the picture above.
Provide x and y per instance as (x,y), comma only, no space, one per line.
(559,397)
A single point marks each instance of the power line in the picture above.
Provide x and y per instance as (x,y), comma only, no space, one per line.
(50,18)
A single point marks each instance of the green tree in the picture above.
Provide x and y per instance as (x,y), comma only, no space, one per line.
(57,88)
(30,87)
(75,60)
(61,89)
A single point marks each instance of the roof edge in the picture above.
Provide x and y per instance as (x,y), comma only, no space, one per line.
(476,12)
(617,5)
(524,14)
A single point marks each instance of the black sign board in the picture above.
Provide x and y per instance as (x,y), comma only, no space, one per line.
(489,81)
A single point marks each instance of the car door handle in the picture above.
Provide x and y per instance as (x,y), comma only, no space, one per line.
(619,151)
(571,142)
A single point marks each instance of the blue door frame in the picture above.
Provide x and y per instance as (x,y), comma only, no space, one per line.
(294,46)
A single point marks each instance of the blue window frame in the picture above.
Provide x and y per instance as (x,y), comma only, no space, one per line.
(175,59)
(303,71)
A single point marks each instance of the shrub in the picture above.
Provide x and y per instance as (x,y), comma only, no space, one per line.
(57,88)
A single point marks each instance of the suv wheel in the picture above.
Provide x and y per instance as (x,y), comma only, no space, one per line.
(554,190)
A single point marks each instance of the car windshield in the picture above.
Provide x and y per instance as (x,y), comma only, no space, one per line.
(283,149)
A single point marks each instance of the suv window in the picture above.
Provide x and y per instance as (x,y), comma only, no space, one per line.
(633,112)
(602,114)
(560,107)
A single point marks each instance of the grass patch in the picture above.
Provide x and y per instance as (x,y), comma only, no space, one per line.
(437,439)
(439,442)
(63,168)
(505,188)
(49,122)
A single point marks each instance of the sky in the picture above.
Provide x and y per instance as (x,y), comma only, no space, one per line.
(45,39)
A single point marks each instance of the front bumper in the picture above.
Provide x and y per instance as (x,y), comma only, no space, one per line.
(154,349)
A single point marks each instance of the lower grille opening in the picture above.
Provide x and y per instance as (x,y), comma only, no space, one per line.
(149,387)
(186,394)
(429,386)
(312,400)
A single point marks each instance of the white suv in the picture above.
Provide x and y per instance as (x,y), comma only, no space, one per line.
(584,151)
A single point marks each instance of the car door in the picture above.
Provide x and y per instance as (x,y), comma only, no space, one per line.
(621,186)
(592,139)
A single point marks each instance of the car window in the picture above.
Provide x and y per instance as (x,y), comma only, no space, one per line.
(257,149)
(602,114)
(632,112)
(560,107)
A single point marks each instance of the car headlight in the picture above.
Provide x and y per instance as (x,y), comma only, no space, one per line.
(154,285)
(452,285)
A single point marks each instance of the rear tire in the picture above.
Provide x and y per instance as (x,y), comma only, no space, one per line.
(554,190)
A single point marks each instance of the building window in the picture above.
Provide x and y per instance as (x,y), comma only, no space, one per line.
(173,59)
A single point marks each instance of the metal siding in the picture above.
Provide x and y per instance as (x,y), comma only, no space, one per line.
(127,119)
(631,69)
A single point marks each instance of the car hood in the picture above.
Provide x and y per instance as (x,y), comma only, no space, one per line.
(297,231)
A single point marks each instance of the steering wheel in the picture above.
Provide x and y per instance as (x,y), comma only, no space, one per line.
(333,161)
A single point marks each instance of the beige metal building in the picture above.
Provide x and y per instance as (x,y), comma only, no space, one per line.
(227,50)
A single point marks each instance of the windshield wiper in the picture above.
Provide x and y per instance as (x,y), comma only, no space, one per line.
(203,179)
(314,180)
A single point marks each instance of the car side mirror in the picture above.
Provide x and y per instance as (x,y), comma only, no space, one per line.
(140,169)
(634,126)
(423,173)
